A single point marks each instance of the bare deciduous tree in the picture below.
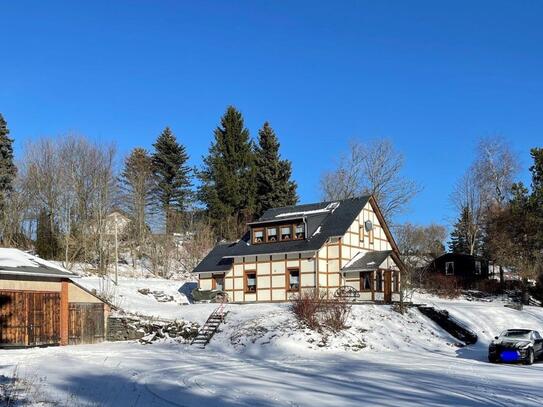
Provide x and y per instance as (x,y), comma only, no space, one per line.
(73,180)
(419,245)
(371,168)
(496,165)
(198,246)
(467,198)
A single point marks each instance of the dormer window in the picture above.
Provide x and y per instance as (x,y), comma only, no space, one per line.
(258,236)
(286,232)
(272,234)
(300,231)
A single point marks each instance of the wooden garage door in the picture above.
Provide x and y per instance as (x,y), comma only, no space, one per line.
(29,318)
(86,323)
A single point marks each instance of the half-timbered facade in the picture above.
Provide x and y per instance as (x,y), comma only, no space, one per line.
(321,246)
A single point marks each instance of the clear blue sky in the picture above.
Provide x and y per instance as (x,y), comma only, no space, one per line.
(432,76)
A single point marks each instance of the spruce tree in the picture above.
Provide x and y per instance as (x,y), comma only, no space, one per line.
(138,184)
(172,176)
(47,242)
(228,176)
(7,166)
(461,235)
(273,184)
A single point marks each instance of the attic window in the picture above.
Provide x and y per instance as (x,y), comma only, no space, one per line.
(272,234)
(300,231)
(286,232)
(258,236)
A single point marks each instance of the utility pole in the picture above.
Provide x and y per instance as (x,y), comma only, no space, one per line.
(116,251)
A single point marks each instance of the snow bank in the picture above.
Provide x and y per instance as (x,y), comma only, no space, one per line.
(126,295)
(257,328)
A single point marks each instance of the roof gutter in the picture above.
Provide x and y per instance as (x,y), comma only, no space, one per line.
(266,254)
(24,273)
(279,220)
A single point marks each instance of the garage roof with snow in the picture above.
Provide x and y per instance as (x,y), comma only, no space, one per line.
(17,262)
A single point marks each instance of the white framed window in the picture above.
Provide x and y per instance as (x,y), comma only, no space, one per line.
(272,234)
(250,281)
(449,268)
(258,236)
(366,282)
(293,280)
(478,267)
(300,231)
(286,232)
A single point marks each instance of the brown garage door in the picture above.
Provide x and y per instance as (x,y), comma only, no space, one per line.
(29,318)
(86,323)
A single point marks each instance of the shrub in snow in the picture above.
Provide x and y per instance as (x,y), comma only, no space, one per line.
(443,286)
(305,307)
(317,313)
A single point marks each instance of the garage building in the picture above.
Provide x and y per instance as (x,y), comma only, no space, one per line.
(41,304)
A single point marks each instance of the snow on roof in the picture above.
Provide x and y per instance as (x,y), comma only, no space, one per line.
(302,213)
(357,256)
(329,208)
(15,261)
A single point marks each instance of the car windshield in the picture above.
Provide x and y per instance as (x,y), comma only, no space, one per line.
(516,334)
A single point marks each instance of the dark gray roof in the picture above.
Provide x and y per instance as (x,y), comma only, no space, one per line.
(367,262)
(215,260)
(321,225)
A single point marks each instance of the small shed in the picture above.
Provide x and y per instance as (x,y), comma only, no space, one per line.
(41,304)
(466,269)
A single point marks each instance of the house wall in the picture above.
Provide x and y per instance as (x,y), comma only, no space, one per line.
(321,270)
(15,284)
(75,293)
(338,252)
(271,272)
(78,295)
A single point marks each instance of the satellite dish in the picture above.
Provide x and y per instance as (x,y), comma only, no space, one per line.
(368,225)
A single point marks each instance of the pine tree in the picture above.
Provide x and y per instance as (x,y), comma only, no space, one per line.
(172,175)
(7,166)
(228,177)
(462,236)
(273,184)
(139,186)
(47,242)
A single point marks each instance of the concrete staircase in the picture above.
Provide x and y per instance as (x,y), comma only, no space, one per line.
(210,327)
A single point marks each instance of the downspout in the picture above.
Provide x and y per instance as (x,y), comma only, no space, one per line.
(317,271)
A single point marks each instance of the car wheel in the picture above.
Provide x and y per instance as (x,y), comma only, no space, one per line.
(492,360)
(531,357)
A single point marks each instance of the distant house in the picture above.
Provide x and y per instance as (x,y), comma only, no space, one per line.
(464,268)
(41,304)
(117,221)
(323,246)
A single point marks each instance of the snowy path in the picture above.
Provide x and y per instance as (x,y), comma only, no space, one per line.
(128,374)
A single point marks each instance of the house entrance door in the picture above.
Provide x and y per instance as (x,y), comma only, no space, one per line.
(388,286)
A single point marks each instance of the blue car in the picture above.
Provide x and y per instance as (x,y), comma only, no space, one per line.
(516,345)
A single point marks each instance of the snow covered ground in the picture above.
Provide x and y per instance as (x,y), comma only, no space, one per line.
(261,359)
(126,295)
